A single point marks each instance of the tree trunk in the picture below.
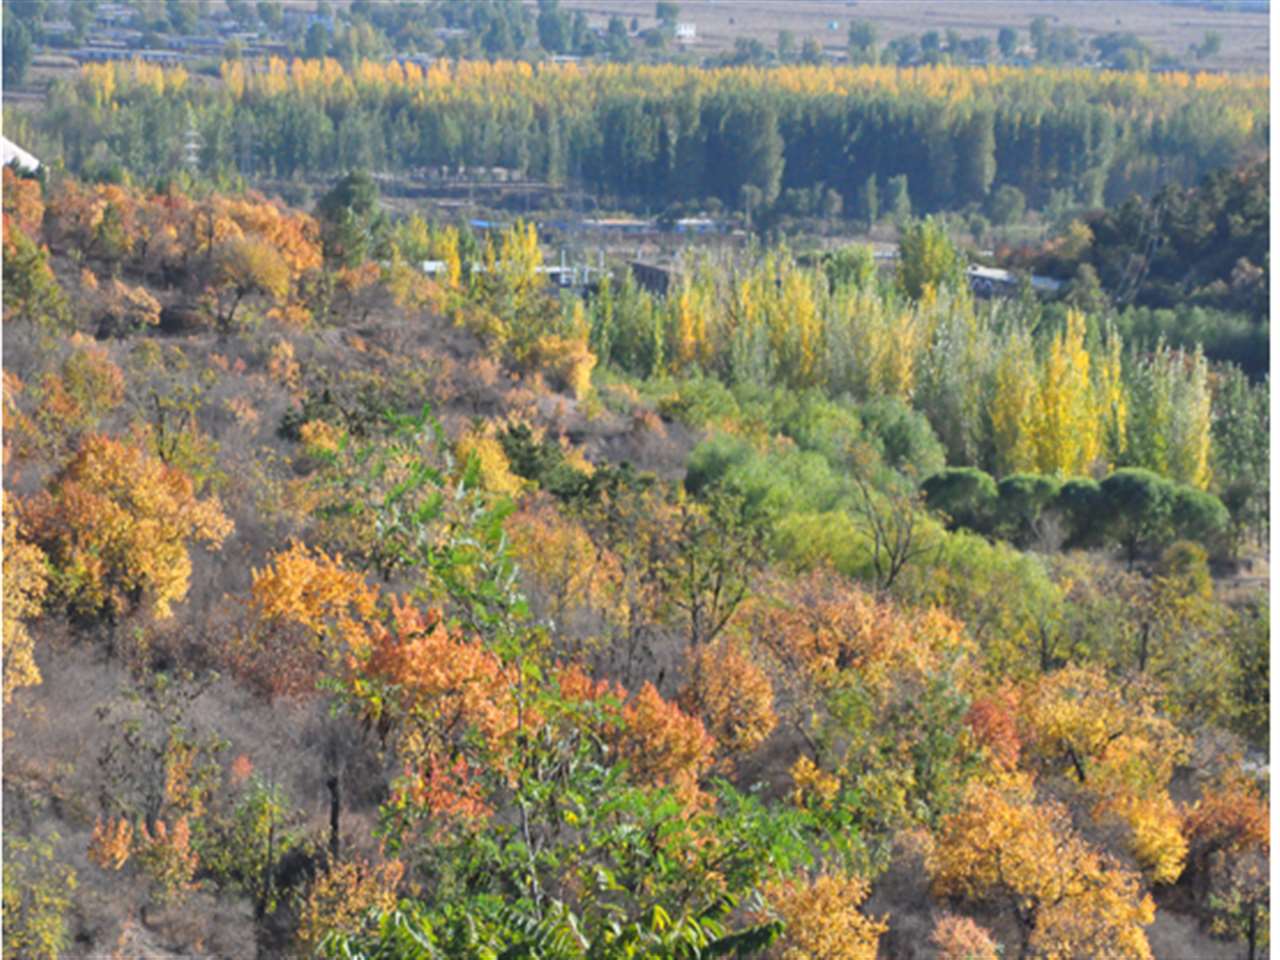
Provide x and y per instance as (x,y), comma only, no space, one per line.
(335,813)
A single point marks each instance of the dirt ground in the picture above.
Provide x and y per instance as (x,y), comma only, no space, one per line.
(1165,26)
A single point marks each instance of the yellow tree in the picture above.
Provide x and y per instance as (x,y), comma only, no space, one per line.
(1014,404)
(822,918)
(1067,434)
(1119,750)
(25,582)
(1004,848)
(246,266)
(308,610)
(115,524)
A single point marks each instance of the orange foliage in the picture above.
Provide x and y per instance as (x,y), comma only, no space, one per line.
(441,681)
(23,203)
(663,744)
(825,625)
(959,938)
(110,843)
(306,607)
(115,524)
(168,858)
(732,695)
(1233,815)
(994,721)
(88,386)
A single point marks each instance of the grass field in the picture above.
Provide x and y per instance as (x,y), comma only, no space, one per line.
(1164,26)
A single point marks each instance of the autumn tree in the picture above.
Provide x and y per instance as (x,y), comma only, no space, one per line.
(127,309)
(38,894)
(247,266)
(307,611)
(25,583)
(1005,848)
(732,694)
(822,919)
(115,524)
(1120,751)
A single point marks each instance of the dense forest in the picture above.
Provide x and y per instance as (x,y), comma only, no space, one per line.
(878,138)
(807,612)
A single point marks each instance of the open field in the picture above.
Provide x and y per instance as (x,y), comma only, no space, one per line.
(1166,27)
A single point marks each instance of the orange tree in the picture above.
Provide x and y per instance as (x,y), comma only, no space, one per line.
(116,524)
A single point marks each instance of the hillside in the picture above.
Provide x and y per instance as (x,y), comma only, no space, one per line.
(348,608)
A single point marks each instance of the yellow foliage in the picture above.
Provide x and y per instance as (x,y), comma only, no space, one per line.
(559,563)
(1067,430)
(1156,832)
(1002,846)
(495,471)
(25,583)
(313,590)
(319,437)
(115,524)
(342,895)
(567,360)
(811,784)
(822,918)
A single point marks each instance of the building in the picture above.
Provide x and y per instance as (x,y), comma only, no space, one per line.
(11,152)
(686,31)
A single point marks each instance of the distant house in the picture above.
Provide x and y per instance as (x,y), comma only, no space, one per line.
(686,31)
(991,281)
(10,152)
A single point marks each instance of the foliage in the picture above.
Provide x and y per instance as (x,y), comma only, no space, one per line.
(307,611)
(821,919)
(668,133)
(115,523)
(928,259)
(25,583)
(37,895)
(1002,846)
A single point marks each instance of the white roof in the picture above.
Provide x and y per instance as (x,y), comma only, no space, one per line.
(10,151)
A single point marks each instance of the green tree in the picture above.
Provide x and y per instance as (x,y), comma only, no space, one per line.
(1210,46)
(862,42)
(1241,449)
(870,201)
(350,220)
(553,27)
(317,43)
(1135,507)
(1023,499)
(786,45)
(899,199)
(1006,205)
(1007,41)
(966,495)
(928,258)
(17,51)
